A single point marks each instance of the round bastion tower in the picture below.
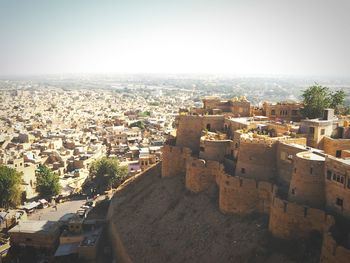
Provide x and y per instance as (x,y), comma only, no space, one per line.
(308,183)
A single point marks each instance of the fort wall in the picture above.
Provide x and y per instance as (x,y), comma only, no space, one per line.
(214,149)
(200,174)
(174,160)
(284,161)
(189,131)
(118,248)
(256,159)
(332,252)
(241,196)
(308,183)
(292,221)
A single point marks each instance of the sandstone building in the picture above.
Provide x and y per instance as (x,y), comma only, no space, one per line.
(290,172)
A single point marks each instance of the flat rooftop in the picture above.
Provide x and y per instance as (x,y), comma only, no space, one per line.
(310,156)
(35,226)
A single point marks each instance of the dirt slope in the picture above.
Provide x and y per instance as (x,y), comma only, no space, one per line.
(160,221)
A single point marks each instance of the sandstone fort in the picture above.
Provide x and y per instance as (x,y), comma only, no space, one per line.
(265,160)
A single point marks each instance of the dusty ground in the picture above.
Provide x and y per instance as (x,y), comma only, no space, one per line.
(160,221)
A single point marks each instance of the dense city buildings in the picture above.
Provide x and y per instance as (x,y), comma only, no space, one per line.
(190,154)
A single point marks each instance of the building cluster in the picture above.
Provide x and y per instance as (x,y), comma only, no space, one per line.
(269,160)
(66,129)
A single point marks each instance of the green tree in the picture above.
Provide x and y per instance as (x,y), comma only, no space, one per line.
(139,124)
(10,187)
(317,98)
(47,182)
(106,173)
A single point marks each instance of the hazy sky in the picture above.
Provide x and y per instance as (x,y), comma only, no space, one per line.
(295,37)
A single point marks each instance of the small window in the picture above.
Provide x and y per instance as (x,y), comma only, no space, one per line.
(311,170)
(208,127)
(295,170)
(339,202)
(329,175)
(273,112)
(338,153)
(334,177)
(322,131)
(311,130)
(293,191)
(201,149)
(243,170)
(236,145)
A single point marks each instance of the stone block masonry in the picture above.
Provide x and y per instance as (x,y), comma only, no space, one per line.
(293,221)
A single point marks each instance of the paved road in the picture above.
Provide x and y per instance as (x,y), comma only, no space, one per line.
(62,209)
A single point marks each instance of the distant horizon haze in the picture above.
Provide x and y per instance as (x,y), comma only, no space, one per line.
(263,38)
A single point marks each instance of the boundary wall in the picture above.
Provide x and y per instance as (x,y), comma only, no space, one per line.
(174,160)
(292,221)
(201,174)
(242,196)
(332,252)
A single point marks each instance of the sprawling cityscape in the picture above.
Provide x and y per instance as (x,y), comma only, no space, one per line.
(174,131)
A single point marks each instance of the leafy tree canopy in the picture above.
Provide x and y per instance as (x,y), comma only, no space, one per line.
(10,187)
(47,182)
(106,173)
(317,98)
(139,124)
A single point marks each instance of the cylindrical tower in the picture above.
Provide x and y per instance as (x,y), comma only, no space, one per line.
(308,180)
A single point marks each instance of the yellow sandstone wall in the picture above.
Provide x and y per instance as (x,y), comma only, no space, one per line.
(190,129)
(335,189)
(174,160)
(330,146)
(292,221)
(243,196)
(284,161)
(308,182)
(200,174)
(256,159)
(332,252)
(214,150)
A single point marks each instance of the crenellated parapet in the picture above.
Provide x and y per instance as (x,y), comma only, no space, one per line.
(332,252)
(292,221)
(241,196)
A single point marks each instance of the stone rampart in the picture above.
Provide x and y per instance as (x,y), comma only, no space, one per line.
(243,196)
(292,221)
(308,181)
(174,160)
(284,161)
(190,129)
(200,174)
(332,252)
(256,159)
(214,149)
